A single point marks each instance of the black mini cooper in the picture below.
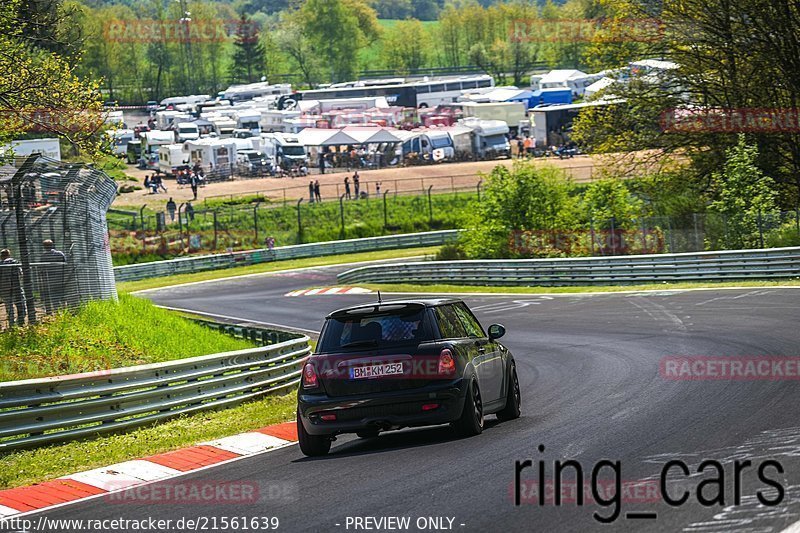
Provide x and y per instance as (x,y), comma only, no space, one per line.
(404,363)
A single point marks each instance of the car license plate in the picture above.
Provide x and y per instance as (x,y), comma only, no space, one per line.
(376,371)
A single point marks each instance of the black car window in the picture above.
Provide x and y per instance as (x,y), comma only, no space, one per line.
(374,331)
(471,323)
(450,327)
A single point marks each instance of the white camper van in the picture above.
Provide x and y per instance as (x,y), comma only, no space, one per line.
(171,157)
(186,131)
(151,142)
(215,156)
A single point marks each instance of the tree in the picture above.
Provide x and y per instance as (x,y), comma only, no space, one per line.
(743,196)
(609,199)
(338,30)
(405,47)
(39,90)
(526,197)
(248,63)
(393,9)
(291,38)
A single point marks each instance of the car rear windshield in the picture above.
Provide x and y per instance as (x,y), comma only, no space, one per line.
(371,330)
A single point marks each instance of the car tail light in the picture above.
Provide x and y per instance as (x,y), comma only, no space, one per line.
(328,417)
(447,364)
(430,406)
(310,379)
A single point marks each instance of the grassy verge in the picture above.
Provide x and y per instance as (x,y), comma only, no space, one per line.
(32,466)
(167,281)
(103,335)
(389,288)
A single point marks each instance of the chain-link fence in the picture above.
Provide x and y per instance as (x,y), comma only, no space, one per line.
(54,247)
(693,232)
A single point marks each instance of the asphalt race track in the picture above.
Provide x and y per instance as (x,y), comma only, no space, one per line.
(592,390)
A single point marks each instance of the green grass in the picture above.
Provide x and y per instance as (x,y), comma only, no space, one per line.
(154,283)
(320,222)
(32,466)
(103,335)
(400,287)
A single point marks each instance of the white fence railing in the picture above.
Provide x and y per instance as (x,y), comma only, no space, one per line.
(187,265)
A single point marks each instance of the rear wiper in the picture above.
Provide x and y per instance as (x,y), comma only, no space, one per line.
(368,342)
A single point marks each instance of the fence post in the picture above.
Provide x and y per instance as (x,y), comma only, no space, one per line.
(385,213)
(180,225)
(430,207)
(141,216)
(480,182)
(591,232)
(760,229)
(299,223)
(215,230)
(696,233)
(613,236)
(22,238)
(797,218)
(341,213)
(255,220)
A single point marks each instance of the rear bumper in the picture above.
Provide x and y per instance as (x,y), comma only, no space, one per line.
(388,410)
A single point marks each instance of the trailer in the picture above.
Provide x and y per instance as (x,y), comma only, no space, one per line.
(172,157)
(215,156)
(151,142)
(512,113)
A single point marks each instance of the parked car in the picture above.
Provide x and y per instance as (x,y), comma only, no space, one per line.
(404,363)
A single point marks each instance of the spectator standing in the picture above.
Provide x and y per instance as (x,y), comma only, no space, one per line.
(190,211)
(311,191)
(11,289)
(321,163)
(317,195)
(194,183)
(52,277)
(356,183)
(347,187)
(171,208)
(377,188)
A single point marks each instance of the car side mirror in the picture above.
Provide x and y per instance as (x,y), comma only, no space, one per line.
(496,331)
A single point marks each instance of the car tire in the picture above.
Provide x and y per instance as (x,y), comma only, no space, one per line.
(513,396)
(312,445)
(368,434)
(471,421)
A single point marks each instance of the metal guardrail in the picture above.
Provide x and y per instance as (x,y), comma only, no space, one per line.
(220,261)
(48,410)
(775,263)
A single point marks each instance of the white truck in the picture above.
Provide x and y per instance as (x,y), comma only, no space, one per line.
(186,131)
(489,138)
(171,157)
(151,142)
(512,113)
(431,145)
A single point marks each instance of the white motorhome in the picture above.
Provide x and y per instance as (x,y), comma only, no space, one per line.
(119,141)
(49,148)
(213,155)
(285,148)
(275,119)
(223,126)
(180,100)
(238,93)
(186,131)
(166,119)
(171,157)
(571,79)
(248,119)
(151,142)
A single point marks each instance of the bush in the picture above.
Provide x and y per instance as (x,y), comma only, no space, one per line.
(450,252)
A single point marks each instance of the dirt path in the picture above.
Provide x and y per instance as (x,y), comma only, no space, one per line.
(444,178)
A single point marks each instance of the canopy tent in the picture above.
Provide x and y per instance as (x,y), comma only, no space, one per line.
(323,137)
(371,135)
